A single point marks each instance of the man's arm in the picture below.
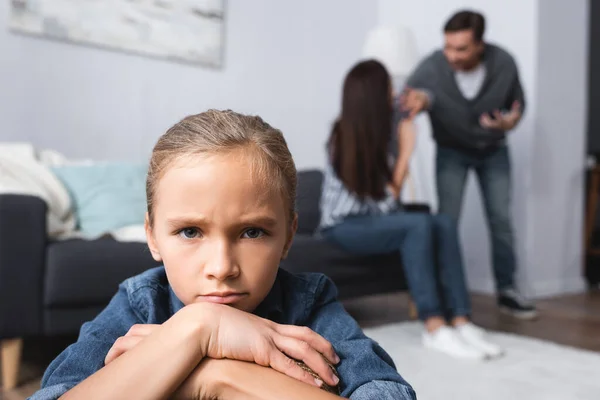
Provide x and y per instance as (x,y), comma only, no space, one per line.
(513,109)
(423,79)
(516,94)
(423,75)
(516,101)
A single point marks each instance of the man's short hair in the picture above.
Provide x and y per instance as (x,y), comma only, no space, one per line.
(467,20)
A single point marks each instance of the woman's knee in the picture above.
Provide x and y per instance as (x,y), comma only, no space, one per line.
(420,221)
(444,222)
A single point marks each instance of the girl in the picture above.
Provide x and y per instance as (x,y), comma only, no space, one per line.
(361,212)
(220,320)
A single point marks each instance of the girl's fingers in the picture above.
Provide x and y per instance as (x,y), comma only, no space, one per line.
(304,352)
(282,363)
(316,341)
(121,346)
(141,329)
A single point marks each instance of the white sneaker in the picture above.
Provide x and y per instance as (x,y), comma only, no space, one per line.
(475,336)
(446,340)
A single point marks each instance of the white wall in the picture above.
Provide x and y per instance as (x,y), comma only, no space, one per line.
(557,154)
(546,198)
(283,60)
(286,60)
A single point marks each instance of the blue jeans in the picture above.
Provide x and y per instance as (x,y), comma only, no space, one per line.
(420,238)
(493,174)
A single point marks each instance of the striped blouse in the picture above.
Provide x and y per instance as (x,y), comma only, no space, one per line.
(337,202)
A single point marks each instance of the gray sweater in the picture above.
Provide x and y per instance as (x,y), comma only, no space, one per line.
(455,119)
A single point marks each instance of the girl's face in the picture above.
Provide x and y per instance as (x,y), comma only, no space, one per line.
(219,231)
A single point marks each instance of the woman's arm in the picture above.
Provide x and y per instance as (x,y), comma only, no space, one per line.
(155,368)
(406,145)
(231,380)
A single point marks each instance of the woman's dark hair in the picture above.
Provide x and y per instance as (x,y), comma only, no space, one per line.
(467,20)
(358,145)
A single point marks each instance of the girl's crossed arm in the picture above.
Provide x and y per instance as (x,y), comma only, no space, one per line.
(155,366)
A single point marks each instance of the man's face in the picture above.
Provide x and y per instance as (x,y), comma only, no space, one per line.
(461,49)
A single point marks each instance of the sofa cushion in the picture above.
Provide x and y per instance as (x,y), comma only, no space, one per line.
(308,195)
(106,196)
(88,272)
(353,275)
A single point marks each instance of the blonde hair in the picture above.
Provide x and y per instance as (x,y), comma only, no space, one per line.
(218,132)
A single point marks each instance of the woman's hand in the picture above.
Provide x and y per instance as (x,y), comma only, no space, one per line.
(239,335)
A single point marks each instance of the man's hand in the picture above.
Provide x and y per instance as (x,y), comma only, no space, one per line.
(414,101)
(504,122)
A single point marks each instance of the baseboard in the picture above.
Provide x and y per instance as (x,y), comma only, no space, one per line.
(482,286)
(552,288)
(535,290)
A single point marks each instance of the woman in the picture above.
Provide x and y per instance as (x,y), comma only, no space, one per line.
(362,214)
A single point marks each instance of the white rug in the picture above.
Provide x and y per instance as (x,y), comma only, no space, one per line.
(531,369)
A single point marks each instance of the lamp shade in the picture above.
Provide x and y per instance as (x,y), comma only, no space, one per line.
(394,47)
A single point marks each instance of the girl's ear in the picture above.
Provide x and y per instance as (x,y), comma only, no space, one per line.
(150,238)
(291,234)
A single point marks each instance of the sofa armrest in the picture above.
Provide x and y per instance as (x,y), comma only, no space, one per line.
(22,259)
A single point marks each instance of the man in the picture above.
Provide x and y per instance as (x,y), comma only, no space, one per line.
(473,95)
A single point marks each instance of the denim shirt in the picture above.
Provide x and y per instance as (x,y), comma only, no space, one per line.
(366,371)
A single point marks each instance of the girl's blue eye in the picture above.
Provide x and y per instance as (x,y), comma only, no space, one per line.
(253,233)
(189,233)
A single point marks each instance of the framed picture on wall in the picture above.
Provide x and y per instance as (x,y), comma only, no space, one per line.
(191,31)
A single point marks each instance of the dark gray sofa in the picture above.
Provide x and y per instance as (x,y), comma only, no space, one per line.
(50,288)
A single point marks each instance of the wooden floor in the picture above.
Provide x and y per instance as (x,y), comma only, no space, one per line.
(569,320)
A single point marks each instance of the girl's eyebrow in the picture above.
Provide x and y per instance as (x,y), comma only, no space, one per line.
(265,220)
(186,221)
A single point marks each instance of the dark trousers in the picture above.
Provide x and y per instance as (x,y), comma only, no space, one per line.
(493,171)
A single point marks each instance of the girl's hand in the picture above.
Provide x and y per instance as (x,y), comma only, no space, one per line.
(196,386)
(125,343)
(239,335)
